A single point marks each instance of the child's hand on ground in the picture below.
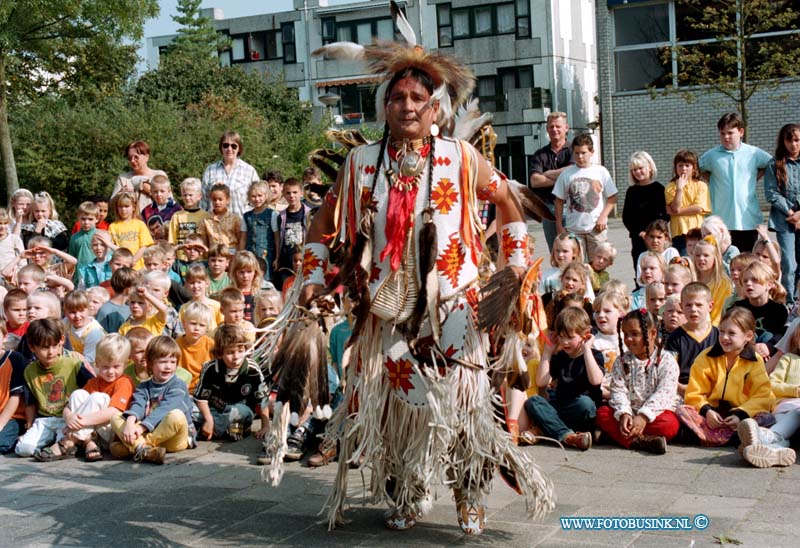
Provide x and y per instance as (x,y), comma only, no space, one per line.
(207,430)
(714,419)
(262,433)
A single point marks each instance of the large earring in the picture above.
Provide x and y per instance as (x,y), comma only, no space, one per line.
(434,129)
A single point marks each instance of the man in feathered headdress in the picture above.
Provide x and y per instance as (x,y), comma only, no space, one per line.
(418,399)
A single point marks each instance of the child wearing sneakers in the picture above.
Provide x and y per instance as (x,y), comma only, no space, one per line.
(578,371)
(764,447)
(51,379)
(229,389)
(159,418)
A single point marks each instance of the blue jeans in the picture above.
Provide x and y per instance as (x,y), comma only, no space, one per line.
(9,435)
(790,252)
(558,420)
(222,419)
(549,228)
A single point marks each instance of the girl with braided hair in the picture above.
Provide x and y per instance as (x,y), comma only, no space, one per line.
(644,382)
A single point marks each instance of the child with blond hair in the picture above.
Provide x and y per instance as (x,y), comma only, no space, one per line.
(83,331)
(710,271)
(147,431)
(603,257)
(195,343)
(89,411)
(187,220)
(128,230)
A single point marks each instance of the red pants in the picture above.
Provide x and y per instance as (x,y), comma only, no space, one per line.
(666,424)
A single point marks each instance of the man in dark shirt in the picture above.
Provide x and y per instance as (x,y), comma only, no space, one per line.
(546,165)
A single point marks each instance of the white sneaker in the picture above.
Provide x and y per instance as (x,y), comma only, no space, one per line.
(765,456)
(749,434)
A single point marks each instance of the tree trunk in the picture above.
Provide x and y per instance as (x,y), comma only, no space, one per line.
(6,148)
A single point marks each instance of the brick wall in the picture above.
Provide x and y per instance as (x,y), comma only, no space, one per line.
(666,124)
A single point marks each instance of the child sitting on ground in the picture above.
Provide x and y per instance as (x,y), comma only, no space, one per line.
(577,370)
(196,345)
(158,283)
(97,298)
(710,271)
(697,334)
(652,270)
(141,302)
(738,265)
(159,418)
(640,414)
(267,304)
(728,383)
(715,227)
(764,298)
(219,259)
(230,388)
(15,307)
(603,258)
(232,306)
(83,331)
(51,379)
(12,397)
(136,369)
(89,411)
(673,317)
(764,447)
(677,276)
(566,249)
(197,284)
(116,311)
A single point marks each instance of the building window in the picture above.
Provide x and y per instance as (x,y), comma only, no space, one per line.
(287,38)
(646,38)
(523,19)
(445,25)
(492,90)
(357,103)
(490,99)
(256,46)
(328,30)
(477,21)
(361,31)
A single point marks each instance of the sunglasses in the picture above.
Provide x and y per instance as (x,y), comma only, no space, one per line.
(233,146)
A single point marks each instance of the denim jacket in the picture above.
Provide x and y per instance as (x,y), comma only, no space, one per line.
(782,202)
(260,239)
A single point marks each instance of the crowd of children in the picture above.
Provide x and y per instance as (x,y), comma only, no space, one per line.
(699,349)
(132,337)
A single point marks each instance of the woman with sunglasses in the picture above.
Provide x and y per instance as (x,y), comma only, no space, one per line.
(137,180)
(232,171)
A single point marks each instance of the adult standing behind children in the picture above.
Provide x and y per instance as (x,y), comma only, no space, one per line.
(137,180)
(782,187)
(733,168)
(231,170)
(589,194)
(547,164)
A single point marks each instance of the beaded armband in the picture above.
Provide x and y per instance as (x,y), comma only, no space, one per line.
(315,263)
(514,243)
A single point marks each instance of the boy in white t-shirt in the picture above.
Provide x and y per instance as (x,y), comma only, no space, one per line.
(589,194)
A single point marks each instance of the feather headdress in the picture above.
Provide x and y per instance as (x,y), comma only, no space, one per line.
(450,77)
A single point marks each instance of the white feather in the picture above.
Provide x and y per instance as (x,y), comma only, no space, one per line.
(342,51)
(380,95)
(318,413)
(327,412)
(469,120)
(405,28)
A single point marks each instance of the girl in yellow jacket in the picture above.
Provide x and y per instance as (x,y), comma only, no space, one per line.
(728,383)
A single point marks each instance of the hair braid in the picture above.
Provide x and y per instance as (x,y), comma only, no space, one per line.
(643,320)
(622,359)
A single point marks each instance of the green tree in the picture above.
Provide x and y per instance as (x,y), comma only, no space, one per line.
(736,56)
(197,38)
(46,45)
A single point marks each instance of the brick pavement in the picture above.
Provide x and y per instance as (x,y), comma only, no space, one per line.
(213,496)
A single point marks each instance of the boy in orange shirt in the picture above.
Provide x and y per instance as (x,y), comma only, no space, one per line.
(89,411)
(195,344)
(12,391)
